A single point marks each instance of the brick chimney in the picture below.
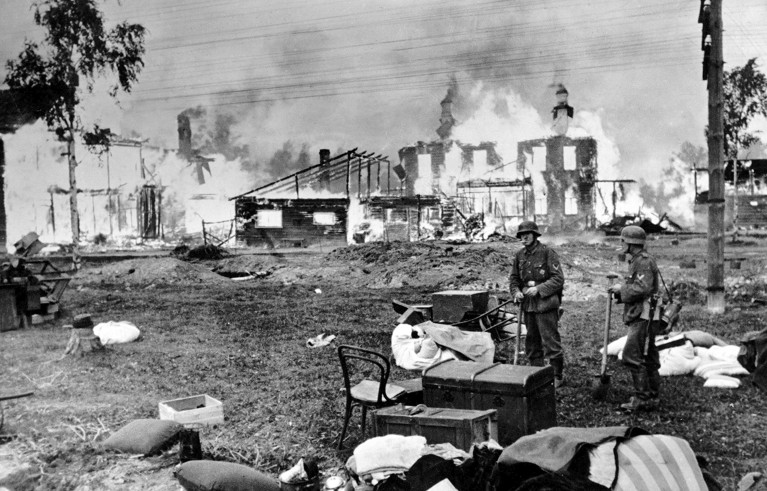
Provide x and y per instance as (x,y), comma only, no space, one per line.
(184,136)
(562,112)
(446,120)
(324,179)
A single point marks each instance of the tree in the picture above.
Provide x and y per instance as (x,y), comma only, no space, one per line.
(77,51)
(745,96)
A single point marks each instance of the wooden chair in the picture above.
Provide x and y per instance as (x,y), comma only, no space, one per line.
(366,381)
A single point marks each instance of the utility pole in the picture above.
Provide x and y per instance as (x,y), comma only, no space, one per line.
(713,67)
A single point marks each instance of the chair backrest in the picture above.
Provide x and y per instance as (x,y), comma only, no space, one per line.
(359,363)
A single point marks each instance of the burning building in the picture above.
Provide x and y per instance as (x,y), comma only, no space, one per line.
(318,205)
(563,172)
(128,192)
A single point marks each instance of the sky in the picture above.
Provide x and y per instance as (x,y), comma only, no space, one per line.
(344,74)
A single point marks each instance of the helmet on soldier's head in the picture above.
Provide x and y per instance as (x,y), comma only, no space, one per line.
(633,234)
(528,226)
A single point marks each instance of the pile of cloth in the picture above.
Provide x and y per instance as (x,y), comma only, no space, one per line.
(699,353)
(397,462)
(420,346)
(615,458)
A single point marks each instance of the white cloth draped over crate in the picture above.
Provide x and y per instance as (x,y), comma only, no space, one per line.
(419,347)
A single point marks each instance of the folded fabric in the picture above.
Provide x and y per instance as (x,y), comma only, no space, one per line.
(680,360)
(602,465)
(652,462)
(554,448)
(727,352)
(404,348)
(712,368)
(722,382)
(476,346)
(389,453)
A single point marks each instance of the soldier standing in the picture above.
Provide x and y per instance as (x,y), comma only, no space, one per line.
(639,296)
(537,280)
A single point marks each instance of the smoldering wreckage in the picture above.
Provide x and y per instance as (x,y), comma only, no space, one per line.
(475,417)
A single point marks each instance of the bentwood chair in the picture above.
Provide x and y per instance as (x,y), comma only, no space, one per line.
(366,381)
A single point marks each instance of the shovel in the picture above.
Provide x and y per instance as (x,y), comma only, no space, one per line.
(601,389)
(519,334)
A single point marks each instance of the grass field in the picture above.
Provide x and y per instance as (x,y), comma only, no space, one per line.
(244,343)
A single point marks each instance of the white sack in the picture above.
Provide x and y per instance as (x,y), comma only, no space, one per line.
(715,368)
(116,332)
(722,382)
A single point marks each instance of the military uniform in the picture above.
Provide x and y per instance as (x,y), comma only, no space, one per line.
(636,294)
(539,266)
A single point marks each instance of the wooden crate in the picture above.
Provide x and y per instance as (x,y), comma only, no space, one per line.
(522,395)
(460,427)
(194,410)
(452,306)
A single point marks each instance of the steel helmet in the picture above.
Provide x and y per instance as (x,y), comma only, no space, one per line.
(633,234)
(528,226)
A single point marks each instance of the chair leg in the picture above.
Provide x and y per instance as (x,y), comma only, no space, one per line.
(347,417)
(364,416)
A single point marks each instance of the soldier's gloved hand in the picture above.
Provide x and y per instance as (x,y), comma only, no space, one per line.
(614,288)
(518,297)
(531,292)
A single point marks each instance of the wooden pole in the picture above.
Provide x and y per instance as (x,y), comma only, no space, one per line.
(348,173)
(716,301)
(297,196)
(735,197)
(359,178)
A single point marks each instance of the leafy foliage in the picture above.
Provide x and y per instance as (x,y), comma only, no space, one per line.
(745,96)
(76,49)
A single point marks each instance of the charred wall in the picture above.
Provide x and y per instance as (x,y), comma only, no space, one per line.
(570,184)
(403,217)
(263,222)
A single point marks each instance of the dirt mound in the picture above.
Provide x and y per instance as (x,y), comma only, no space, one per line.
(151,270)
(392,253)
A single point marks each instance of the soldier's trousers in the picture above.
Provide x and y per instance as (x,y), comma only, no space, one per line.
(543,340)
(643,368)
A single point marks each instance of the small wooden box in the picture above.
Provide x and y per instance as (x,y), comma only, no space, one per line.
(195,410)
(460,427)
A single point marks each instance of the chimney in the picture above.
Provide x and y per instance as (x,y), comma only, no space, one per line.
(562,112)
(446,119)
(324,179)
(184,136)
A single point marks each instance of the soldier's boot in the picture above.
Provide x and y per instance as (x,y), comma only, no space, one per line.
(639,400)
(653,384)
(536,362)
(559,371)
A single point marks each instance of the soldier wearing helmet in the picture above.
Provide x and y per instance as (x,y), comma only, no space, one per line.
(537,280)
(639,295)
